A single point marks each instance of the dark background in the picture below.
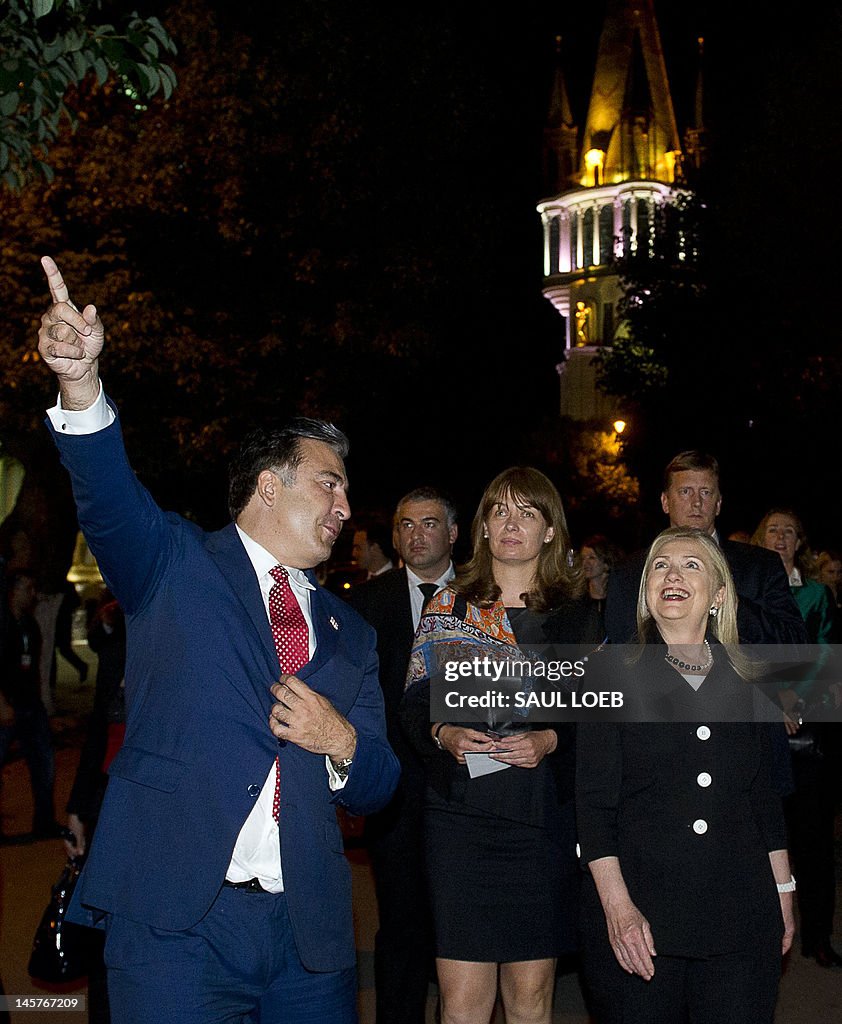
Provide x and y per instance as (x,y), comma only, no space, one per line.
(350,231)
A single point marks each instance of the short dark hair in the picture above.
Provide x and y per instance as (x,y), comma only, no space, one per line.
(430,494)
(279,451)
(692,460)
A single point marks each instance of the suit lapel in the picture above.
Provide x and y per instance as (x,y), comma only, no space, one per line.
(227,551)
(404,603)
(327,626)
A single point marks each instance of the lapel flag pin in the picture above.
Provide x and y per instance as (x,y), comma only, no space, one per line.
(334,623)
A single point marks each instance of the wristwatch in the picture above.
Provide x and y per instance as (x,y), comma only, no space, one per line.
(342,766)
(436,732)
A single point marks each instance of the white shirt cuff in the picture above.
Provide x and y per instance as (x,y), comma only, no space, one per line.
(335,781)
(83,421)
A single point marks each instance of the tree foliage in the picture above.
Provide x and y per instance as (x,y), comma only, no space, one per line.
(291,231)
(47,49)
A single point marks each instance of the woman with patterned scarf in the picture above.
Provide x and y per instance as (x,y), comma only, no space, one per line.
(500,845)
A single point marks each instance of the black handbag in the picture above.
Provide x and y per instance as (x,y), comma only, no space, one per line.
(60,949)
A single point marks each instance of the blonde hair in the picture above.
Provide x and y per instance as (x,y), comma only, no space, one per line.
(723,625)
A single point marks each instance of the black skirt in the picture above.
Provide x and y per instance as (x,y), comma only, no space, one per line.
(501,890)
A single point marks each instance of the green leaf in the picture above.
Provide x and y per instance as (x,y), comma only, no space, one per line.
(160,33)
(167,80)
(12,179)
(45,169)
(53,50)
(9,103)
(41,7)
(80,64)
(154,79)
(101,69)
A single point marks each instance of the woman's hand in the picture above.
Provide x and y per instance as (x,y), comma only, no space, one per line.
(789,921)
(631,939)
(458,741)
(526,749)
(628,930)
(779,860)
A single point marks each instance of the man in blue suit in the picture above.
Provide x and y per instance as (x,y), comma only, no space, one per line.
(217,868)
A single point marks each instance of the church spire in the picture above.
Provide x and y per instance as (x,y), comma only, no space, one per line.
(694,137)
(630,132)
(560,134)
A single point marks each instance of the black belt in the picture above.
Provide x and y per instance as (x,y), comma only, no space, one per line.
(252,885)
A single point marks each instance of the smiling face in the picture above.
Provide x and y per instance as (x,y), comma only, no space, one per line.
(692,499)
(680,588)
(781,535)
(299,522)
(516,531)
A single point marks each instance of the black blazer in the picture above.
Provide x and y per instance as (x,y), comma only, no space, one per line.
(383,602)
(690,811)
(573,622)
(766,614)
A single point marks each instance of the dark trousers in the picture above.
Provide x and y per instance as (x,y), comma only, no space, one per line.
(731,988)
(810,814)
(403,945)
(238,965)
(31,728)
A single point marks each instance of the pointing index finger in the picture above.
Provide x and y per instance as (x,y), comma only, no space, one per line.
(58,289)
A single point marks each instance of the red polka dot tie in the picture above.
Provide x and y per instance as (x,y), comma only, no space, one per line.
(292,642)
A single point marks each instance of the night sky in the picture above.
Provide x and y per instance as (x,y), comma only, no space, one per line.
(772,112)
(450,101)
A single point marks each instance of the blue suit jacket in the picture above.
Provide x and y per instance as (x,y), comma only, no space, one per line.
(198,747)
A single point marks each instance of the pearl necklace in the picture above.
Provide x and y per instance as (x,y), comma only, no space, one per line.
(684,667)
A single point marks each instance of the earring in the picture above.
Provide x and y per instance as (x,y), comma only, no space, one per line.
(713,610)
(485,534)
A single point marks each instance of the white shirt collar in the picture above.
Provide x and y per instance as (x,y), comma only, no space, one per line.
(262,561)
(445,577)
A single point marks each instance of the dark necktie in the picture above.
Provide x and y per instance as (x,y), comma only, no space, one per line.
(428,590)
(292,642)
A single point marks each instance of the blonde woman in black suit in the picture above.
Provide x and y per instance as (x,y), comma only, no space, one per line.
(688,903)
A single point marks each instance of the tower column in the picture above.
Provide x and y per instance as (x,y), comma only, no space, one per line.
(565,257)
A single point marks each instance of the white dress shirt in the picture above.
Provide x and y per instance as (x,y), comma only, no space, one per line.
(416,597)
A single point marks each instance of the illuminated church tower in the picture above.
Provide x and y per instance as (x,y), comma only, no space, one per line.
(610,180)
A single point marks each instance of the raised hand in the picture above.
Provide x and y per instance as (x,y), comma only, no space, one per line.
(70,342)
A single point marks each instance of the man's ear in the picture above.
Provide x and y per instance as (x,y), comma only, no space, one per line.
(267,487)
